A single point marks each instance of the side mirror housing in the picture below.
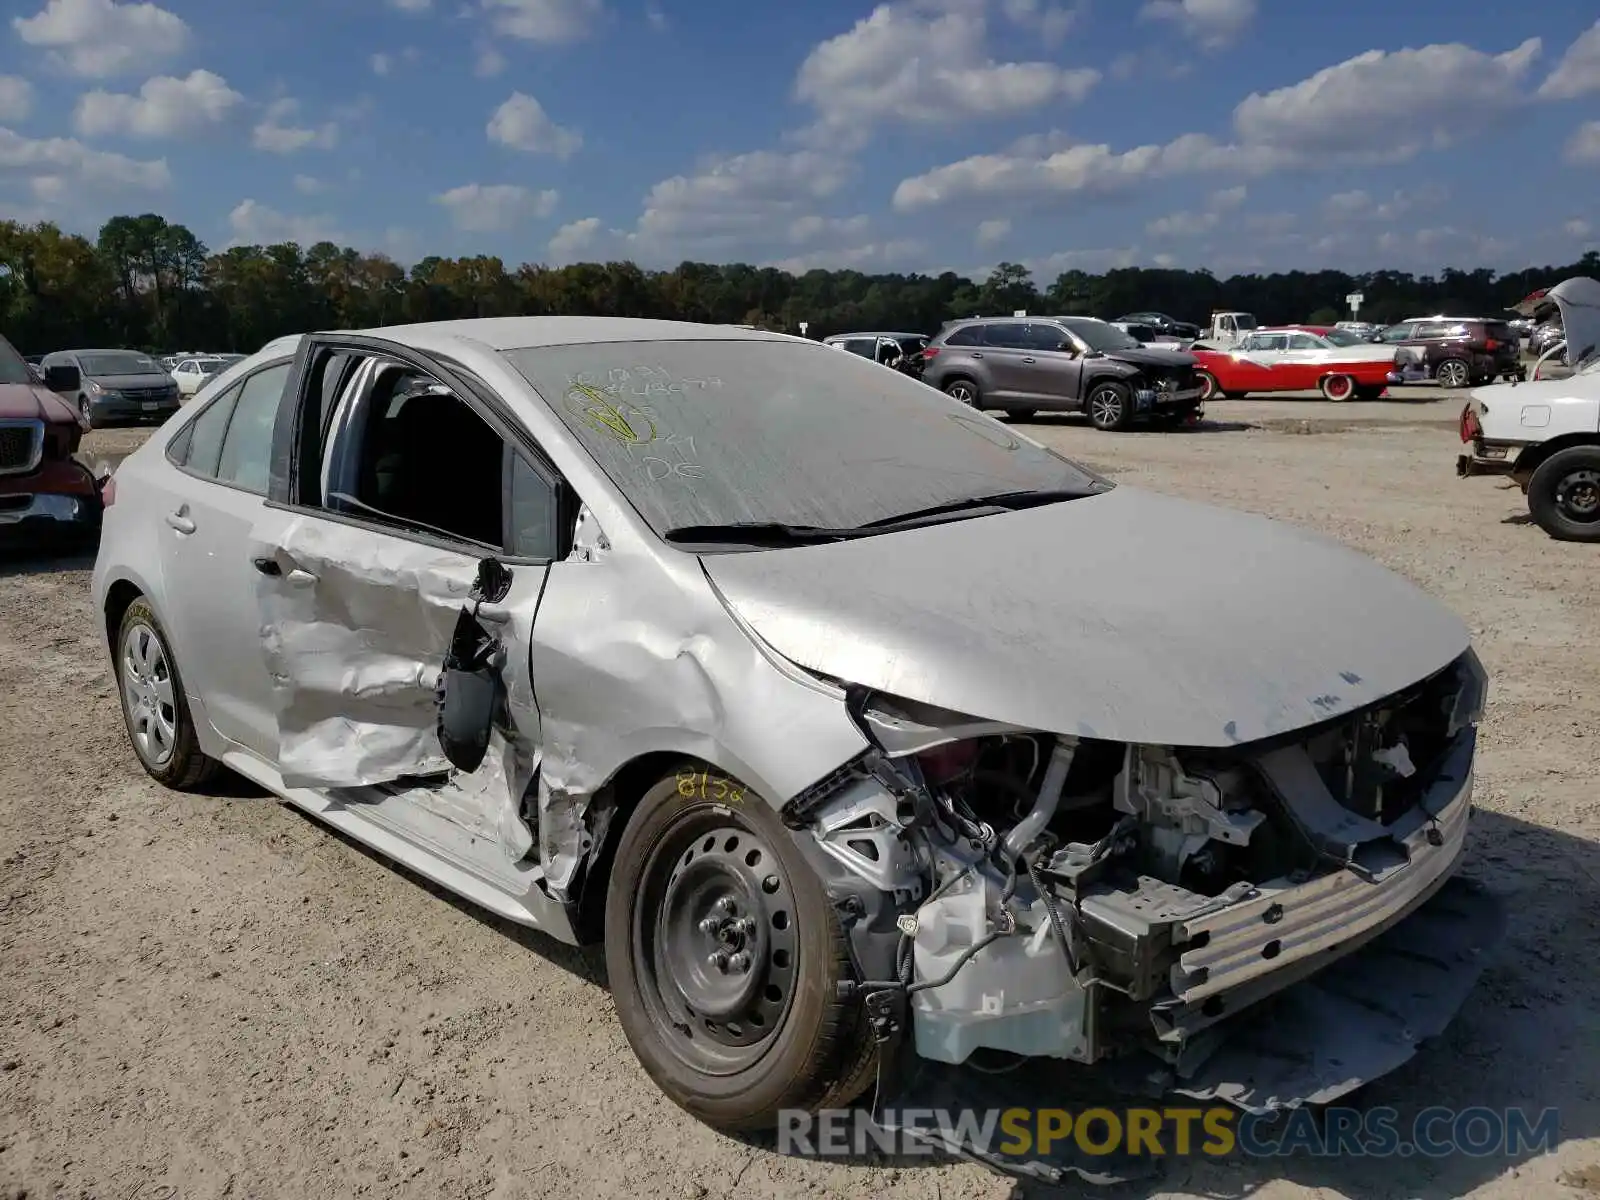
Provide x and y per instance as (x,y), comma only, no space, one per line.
(62,378)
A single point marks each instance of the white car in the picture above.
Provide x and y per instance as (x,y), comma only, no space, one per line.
(859,727)
(191,373)
(1546,434)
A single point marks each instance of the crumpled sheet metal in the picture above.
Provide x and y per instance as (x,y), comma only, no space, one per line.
(635,654)
(355,717)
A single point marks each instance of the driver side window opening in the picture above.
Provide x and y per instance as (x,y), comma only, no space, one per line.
(405,451)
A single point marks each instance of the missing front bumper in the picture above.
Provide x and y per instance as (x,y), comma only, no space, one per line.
(1355,1020)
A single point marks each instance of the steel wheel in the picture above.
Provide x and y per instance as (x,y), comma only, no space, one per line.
(963,392)
(149,695)
(716,949)
(1453,373)
(1338,387)
(1578,495)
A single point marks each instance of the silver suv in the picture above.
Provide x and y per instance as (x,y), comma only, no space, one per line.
(1062,364)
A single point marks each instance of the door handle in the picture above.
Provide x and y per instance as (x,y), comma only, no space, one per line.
(977,354)
(1029,358)
(181,521)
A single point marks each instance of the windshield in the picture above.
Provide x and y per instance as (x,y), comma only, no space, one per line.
(1344,337)
(1244,320)
(12,367)
(721,432)
(1100,336)
(118,362)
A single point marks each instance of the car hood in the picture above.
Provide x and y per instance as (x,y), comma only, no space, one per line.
(114,383)
(1127,615)
(1147,356)
(28,402)
(1579,301)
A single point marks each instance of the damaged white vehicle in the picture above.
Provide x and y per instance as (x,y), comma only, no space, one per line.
(880,744)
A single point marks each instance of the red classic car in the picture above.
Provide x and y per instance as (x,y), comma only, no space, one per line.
(1299,358)
(46,496)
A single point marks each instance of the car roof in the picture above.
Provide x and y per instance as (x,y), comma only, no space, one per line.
(839,337)
(525,333)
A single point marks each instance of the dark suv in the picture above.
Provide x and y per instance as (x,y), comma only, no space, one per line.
(1061,364)
(1168,326)
(1457,351)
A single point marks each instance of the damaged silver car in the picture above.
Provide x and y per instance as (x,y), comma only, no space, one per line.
(880,744)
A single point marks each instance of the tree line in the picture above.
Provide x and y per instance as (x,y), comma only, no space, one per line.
(148,283)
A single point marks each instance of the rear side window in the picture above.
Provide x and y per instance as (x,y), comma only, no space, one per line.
(247,446)
(1006,336)
(967,335)
(203,449)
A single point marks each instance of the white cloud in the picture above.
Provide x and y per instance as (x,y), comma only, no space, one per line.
(573,238)
(522,124)
(16,98)
(992,231)
(813,227)
(730,201)
(99,38)
(552,22)
(164,107)
(1051,22)
(274,134)
(1577,228)
(1376,108)
(411,6)
(899,253)
(309,185)
(1358,205)
(904,64)
(54,167)
(255,224)
(1578,72)
(380,63)
(1583,148)
(1387,106)
(490,62)
(495,207)
(1212,23)
(655,17)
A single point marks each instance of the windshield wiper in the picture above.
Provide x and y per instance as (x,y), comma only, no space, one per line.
(1006,501)
(757,533)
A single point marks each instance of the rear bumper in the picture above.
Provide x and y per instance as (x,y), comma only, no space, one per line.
(1471,465)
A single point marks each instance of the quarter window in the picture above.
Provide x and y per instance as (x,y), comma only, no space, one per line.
(203,449)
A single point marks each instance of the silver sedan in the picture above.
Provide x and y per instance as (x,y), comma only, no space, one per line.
(875,740)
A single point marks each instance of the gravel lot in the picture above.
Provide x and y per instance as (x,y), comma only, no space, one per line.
(206,996)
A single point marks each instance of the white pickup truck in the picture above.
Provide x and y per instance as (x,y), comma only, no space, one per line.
(1546,434)
(1226,330)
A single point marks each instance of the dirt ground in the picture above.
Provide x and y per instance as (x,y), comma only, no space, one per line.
(212,996)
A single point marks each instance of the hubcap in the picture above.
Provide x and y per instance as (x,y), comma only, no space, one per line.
(1453,374)
(960,392)
(1578,495)
(1105,407)
(148,695)
(716,946)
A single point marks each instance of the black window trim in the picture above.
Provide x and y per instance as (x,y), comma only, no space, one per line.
(185,434)
(290,448)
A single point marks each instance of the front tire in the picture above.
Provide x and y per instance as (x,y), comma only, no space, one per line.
(1209,388)
(86,411)
(725,957)
(1453,373)
(1564,494)
(155,711)
(1110,405)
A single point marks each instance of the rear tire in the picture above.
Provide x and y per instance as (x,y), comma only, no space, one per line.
(1564,494)
(155,710)
(964,391)
(725,957)
(1337,388)
(1109,405)
(1368,393)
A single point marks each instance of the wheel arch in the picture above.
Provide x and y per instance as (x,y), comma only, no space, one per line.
(120,596)
(1532,456)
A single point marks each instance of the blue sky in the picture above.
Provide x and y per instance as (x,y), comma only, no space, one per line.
(925,135)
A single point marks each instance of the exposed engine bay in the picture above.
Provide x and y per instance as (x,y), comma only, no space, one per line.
(1018,895)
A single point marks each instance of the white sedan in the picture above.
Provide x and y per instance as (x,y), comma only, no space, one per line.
(191,373)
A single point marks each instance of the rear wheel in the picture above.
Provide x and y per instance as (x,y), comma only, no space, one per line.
(1337,387)
(725,957)
(1453,373)
(1368,393)
(1564,494)
(154,708)
(963,391)
(1110,405)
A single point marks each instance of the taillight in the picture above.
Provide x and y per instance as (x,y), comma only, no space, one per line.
(930,352)
(1471,431)
(1490,344)
(108,491)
